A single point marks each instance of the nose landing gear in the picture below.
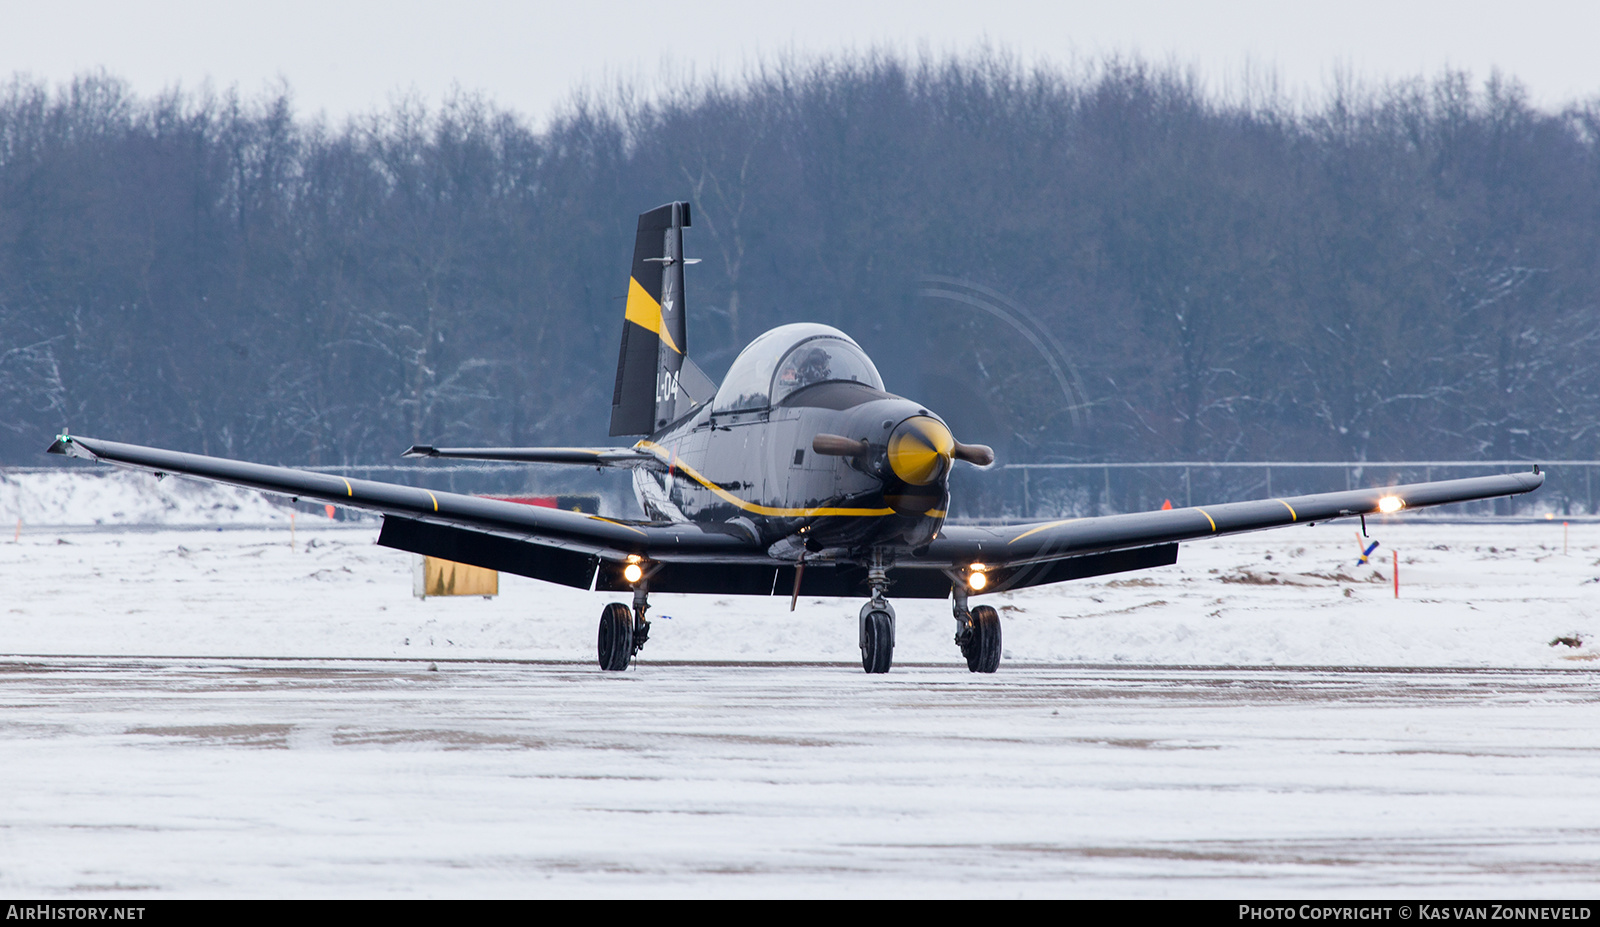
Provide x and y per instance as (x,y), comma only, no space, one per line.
(623,631)
(877,620)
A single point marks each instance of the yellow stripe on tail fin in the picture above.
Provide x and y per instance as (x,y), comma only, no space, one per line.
(654,331)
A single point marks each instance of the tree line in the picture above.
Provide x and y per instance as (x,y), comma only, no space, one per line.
(1109,263)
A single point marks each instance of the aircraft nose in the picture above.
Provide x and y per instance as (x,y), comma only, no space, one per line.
(920,449)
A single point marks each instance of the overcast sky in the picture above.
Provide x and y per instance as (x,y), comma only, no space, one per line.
(348,56)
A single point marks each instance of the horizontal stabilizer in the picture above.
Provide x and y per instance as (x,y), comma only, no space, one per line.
(585,456)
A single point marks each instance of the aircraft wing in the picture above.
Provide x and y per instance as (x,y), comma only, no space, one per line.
(1052,551)
(588,551)
(585,456)
(544,543)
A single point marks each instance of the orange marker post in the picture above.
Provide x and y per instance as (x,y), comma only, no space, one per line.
(329,509)
(1397,574)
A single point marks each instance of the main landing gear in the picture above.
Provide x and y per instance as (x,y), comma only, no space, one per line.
(623,631)
(977,632)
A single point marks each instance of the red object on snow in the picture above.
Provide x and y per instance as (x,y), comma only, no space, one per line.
(1166,506)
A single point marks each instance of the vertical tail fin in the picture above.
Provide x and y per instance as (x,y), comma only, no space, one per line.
(652,369)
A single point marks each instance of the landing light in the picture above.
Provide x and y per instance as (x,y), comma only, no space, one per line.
(1390,504)
(976,580)
(633,572)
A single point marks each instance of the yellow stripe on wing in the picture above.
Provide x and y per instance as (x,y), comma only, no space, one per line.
(1293,515)
(1044,527)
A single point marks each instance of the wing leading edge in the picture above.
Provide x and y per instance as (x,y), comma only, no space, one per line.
(545,543)
(1028,554)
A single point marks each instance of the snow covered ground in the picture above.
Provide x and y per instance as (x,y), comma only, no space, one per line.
(1471,595)
(299,778)
(80,495)
(210,711)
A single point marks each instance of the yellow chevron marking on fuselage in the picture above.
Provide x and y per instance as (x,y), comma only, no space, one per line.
(1292,513)
(645,312)
(1208,518)
(754,508)
(1044,527)
(347,489)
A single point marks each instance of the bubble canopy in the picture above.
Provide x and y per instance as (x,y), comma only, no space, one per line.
(788,358)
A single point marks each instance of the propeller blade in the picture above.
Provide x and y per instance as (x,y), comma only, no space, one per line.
(980,454)
(838,446)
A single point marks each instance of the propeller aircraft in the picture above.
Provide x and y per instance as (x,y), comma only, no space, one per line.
(800,474)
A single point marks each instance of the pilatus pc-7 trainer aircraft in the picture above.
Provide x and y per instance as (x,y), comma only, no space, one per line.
(799,475)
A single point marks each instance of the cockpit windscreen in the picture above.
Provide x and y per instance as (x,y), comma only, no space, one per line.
(789,358)
(819,360)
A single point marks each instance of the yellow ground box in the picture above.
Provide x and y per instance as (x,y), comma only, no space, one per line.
(436,576)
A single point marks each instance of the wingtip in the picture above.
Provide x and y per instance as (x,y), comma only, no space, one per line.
(70,446)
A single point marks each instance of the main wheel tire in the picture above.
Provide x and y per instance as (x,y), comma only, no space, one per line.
(616,636)
(878,652)
(983,650)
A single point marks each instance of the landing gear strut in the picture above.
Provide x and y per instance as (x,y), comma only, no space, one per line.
(877,620)
(977,631)
(623,631)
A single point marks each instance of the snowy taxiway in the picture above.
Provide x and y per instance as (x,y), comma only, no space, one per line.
(293,778)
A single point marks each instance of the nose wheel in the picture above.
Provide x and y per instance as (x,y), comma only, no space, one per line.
(877,620)
(877,637)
